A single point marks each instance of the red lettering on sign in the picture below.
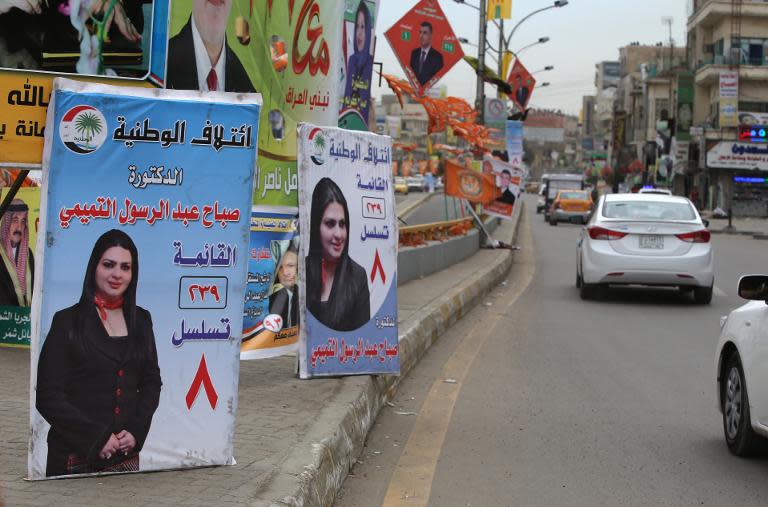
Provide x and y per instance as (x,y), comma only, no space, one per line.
(202,290)
(317,58)
(202,378)
(378,267)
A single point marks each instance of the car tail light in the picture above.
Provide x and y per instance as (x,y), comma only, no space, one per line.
(604,234)
(701,236)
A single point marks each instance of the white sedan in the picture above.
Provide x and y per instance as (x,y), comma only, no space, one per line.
(741,361)
(645,239)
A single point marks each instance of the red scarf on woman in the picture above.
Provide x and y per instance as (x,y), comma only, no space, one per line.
(102,306)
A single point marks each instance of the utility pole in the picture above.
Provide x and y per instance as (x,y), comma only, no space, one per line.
(480,95)
(502,53)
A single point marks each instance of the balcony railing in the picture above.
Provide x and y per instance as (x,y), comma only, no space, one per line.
(728,61)
(700,4)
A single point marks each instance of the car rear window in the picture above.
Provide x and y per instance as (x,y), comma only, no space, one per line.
(649,210)
(573,195)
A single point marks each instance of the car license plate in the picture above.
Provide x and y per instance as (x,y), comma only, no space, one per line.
(652,241)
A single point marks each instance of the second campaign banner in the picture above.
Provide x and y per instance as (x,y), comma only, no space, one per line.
(347,255)
(141,268)
(508,179)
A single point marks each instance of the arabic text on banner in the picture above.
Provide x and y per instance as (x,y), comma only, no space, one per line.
(348,254)
(291,53)
(271,315)
(146,205)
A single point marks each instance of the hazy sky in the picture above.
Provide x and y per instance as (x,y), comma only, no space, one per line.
(581,34)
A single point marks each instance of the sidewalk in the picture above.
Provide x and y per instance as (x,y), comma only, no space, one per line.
(757,227)
(295,440)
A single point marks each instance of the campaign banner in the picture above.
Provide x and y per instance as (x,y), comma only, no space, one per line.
(51,38)
(467,183)
(271,314)
(741,156)
(289,51)
(119,39)
(18,234)
(425,45)
(143,263)
(495,116)
(358,43)
(514,135)
(508,180)
(499,9)
(347,254)
(522,83)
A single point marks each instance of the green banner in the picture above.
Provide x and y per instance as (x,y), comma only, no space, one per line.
(292,55)
(14,326)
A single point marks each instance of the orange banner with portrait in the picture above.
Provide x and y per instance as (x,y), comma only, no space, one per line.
(474,186)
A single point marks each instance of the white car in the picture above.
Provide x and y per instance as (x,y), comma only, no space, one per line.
(740,362)
(645,239)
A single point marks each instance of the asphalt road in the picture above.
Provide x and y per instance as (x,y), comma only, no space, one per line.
(559,401)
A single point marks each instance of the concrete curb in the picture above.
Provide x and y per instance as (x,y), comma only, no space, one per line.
(754,234)
(358,400)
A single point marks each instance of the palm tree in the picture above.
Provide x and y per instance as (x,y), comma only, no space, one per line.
(88,124)
(320,142)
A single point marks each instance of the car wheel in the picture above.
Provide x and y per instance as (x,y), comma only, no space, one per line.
(702,295)
(578,280)
(553,221)
(538,210)
(737,427)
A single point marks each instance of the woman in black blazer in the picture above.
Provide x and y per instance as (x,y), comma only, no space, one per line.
(337,286)
(98,380)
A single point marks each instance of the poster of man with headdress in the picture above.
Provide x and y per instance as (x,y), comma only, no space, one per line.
(18,233)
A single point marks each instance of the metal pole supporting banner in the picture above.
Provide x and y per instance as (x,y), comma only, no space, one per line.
(480,95)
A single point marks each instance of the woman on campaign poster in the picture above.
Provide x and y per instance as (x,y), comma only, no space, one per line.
(337,286)
(357,91)
(98,379)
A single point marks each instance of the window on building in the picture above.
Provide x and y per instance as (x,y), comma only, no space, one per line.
(662,109)
(751,51)
(753,107)
(719,47)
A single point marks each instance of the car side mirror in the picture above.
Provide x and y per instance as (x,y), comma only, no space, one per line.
(754,287)
(705,222)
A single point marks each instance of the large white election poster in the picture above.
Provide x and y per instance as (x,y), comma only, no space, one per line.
(137,322)
(347,254)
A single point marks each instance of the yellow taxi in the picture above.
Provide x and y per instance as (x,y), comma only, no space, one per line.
(571,206)
(401,185)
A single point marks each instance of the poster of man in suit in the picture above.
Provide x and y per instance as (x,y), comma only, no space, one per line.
(199,57)
(425,45)
(522,85)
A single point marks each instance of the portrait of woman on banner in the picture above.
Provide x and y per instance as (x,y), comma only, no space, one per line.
(357,91)
(337,286)
(98,379)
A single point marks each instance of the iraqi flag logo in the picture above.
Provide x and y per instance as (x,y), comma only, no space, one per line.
(83,129)
(318,141)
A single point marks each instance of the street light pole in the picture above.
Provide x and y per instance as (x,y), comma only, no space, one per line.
(502,52)
(480,94)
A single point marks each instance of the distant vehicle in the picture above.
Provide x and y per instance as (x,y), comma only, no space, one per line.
(651,190)
(645,239)
(740,363)
(416,183)
(401,185)
(571,206)
(553,183)
(439,182)
(541,201)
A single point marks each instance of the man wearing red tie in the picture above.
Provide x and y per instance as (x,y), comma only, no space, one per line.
(199,57)
(426,61)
